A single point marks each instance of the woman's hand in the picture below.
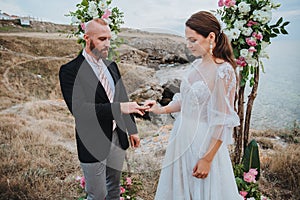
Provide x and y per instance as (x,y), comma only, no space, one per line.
(202,168)
(154,107)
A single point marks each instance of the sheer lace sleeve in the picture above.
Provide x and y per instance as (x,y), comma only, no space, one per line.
(221,114)
(176,101)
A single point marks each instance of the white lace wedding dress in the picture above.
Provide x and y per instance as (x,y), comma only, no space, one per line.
(206,100)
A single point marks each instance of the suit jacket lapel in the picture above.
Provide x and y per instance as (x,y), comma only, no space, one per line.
(112,70)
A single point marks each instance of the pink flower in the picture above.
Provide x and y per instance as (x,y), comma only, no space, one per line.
(241,61)
(229,3)
(243,193)
(263,198)
(248,177)
(106,14)
(251,42)
(258,36)
(128,181)
(78,178)
(122,190)
(253,172)
(252,49)
(220,3)
(82,26)
(251,23)
(82,182)
(122,198)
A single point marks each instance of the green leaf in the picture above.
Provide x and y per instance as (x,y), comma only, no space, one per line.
(250,159)
(251,82)
(276,30)
(243,82)
(279,21)
(252,69)
(285,23)
(283,31)
(85,3)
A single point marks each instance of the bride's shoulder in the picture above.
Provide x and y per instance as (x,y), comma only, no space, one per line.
(196,62)
(225,70)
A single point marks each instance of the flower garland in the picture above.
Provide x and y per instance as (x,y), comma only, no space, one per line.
(247,27)
(90,9)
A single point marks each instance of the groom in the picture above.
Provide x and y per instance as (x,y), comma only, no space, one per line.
(94,93)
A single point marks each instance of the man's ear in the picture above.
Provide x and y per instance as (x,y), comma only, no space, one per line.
(86,37)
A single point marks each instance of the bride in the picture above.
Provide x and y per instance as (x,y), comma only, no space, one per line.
(197,164)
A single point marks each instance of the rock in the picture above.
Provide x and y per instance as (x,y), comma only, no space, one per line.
(158,48)
(132,55)
(147,91)
(135,76)
(169,89)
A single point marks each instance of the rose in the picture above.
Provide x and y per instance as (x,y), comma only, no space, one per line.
(244,8)
(249,177)
(247,26)
(128,181)
(243,193)
(251,42)
(122,190)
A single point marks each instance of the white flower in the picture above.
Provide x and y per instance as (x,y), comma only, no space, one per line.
(247,31)
(232,34)
(244,52)
(81,35)
(244,8)
(251,61)
(234,7)
(92,10)
(267,16)
(103,5)
(264,198)
(263,16)
(251,198)
(239,24)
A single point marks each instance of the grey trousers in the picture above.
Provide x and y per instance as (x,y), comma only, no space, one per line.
(102,179)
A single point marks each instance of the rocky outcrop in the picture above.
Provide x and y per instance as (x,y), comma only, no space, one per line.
(153,49)
(169,89)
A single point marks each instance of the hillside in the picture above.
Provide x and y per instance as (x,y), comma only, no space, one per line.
(37,148)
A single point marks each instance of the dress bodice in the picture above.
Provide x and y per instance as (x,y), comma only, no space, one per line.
(195,98)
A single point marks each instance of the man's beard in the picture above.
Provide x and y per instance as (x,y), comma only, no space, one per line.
(97,53)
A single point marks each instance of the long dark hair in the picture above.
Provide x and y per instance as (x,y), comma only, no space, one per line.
(203,23)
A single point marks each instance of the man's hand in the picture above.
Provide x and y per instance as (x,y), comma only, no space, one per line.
(134,140)
(133,107)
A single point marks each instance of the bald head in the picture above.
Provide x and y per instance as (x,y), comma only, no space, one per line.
(97,37)
(92,26)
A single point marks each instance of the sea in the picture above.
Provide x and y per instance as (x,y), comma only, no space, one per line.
(277,105)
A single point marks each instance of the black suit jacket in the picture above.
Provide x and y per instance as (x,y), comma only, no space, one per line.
(92,110)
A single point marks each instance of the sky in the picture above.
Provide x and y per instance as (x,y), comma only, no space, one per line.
(155,15)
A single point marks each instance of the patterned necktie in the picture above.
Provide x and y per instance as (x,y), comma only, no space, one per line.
(103,79)
(105,83)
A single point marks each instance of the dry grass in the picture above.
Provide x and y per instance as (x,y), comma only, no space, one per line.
(32,164)
(281,177)
(280,162)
